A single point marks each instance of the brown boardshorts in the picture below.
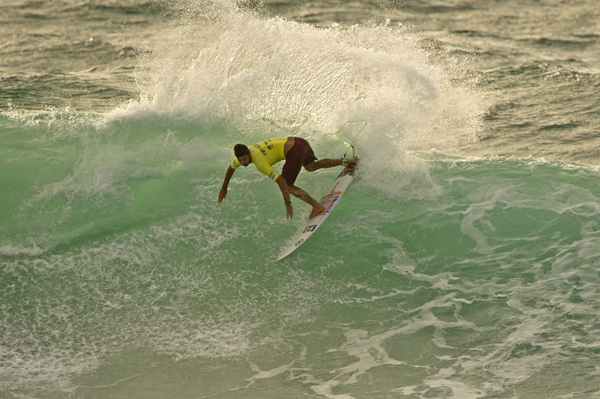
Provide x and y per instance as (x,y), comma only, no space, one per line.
(299,155)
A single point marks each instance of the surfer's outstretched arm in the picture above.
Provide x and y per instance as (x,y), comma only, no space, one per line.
(289,209)
(228,175)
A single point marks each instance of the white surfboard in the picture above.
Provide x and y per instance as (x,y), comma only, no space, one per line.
(329,201)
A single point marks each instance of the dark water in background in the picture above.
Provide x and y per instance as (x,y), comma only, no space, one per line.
(462,263)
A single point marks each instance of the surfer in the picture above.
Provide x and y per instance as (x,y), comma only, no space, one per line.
(297,153)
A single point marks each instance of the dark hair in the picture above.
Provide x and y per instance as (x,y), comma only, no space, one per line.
(240,150)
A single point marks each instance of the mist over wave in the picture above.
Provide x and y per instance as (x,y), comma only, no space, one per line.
(297,76)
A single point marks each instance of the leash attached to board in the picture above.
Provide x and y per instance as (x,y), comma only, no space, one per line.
(350,143)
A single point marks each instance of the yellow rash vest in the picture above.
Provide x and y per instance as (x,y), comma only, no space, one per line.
(265,154)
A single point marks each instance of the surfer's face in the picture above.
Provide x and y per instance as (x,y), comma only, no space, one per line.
(244,160)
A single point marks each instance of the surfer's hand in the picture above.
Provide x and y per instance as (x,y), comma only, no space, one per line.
(289,212)
(222,194)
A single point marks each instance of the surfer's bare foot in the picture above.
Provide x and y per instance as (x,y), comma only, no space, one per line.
(316,210)
(352,161)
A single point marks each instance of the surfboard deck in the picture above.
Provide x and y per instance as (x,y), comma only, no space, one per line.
(329,201)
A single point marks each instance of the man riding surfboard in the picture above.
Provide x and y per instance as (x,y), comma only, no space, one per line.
(297,153)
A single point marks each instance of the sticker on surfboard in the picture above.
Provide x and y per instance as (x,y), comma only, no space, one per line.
(329,201)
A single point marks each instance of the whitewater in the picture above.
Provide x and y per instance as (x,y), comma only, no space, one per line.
(462,261)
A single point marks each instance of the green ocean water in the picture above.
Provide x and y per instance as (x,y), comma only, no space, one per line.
(442,272)
(123,276)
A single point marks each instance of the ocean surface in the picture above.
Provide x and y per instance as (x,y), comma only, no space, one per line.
(463,262)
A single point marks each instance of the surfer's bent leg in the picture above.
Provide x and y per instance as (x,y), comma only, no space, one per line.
(304,196)
(322,163)
(329,163)
(311,163)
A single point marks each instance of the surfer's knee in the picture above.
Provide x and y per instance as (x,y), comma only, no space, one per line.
(311,167)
